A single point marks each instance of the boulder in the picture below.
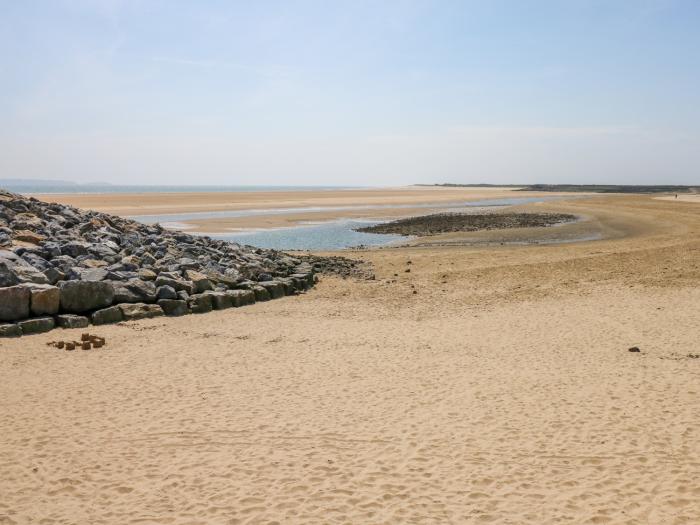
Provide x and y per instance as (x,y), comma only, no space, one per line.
(134,311)
(7,275)
(110,315)
(14,303)
(200,303)
(200,281)
(53,275)
(28,236)
(220,300)
(37,326)
(134,291)
(72,321)
(75,248)
(147,275)
(10,330)
(81,296)
(166,292)
(45,299)
(93,274)
(274,288)
(173,307)
(177,284)
(242,297)
(261,293)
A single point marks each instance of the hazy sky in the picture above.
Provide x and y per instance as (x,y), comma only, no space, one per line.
(350,92)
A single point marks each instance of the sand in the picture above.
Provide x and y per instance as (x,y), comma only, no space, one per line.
(501,392)
(169,203)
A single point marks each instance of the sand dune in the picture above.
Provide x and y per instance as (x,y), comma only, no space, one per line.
(501,391)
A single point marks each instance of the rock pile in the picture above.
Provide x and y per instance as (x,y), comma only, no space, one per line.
(60,266)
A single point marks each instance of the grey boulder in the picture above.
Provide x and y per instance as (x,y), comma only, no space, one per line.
(14,303)
(81,296)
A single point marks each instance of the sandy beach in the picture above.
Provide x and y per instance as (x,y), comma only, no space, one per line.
(470,382)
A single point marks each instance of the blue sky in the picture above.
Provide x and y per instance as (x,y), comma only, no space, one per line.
(350,92)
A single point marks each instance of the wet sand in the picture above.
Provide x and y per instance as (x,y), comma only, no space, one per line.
(171,203)
(501,391)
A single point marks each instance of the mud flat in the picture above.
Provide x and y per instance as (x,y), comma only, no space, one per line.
(462,222)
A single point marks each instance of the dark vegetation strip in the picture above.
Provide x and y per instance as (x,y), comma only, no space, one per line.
(455,222)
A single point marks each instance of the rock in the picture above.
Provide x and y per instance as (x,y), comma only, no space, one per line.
(634,349)
(177,284)
(220,300)
(173,307)
(166,292)
(134,291)
(7,276)
(261,293)
(134,311)
(14,303)
(274,288)
(200,281)
(265,277)
(93,274)
(36,326)
(10,330)
(243,297)
(28,236)
(110,315)
(75,248)
(72,321)
(54,275)
(81,296)
(147,275)
(45,299)
(200,303)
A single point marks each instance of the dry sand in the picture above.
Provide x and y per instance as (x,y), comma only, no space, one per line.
(501,392)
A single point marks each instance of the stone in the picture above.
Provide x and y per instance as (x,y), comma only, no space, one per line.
(200,281)
(37,326)
(173,307)
(242,297)
(110,315)
(28,236)
(133,311)
(147,275)
(200,303)
(134,291)
(53,275)
(10,330)
(274,288)
(75,248)
(93,274)
(220,300)
(177,284)
(634,349)
(45,299)
(72,321)
(166,292)
(7,275)
(261,293)
(14,303)
(82,296)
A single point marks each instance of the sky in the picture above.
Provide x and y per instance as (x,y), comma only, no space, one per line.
(350,92)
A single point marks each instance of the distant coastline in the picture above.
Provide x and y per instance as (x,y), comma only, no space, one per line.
(579,188)
(59,187)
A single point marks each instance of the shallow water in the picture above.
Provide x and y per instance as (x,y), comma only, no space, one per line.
(331,235)
(181,217)
(334,235)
